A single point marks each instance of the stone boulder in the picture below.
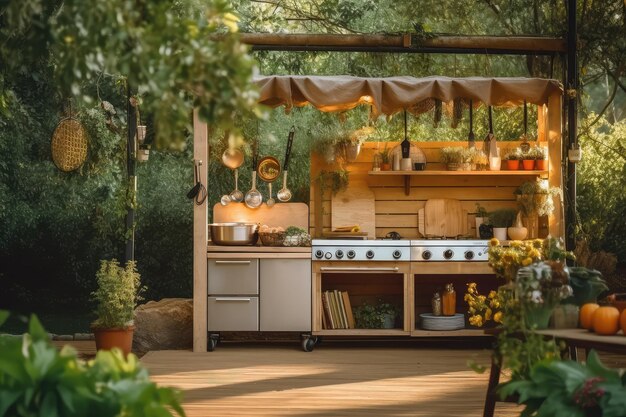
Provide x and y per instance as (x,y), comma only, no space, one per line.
(162,325)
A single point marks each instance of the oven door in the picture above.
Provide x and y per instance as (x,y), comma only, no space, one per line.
(344,289)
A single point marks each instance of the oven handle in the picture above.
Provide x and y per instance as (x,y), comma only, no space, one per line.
(358,269)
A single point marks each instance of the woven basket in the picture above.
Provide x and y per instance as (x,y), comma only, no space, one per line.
(69,145)
(272,239)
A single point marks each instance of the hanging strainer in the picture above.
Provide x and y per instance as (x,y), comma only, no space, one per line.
(69,144)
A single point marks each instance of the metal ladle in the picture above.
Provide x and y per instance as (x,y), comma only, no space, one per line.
(253,197)
(270,200)
(236,195)
(284,194)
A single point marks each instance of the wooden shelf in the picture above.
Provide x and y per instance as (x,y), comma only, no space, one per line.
(361,332)
(408,174)
(458,173)
(449,333)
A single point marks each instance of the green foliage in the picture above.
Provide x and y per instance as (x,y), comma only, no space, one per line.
(36,379)
(177,55)
(569,388)
(117,294)
(587,285)
(368,316)
(502,217)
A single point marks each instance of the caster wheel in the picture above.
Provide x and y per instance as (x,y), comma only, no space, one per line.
(308,344)
(212,342)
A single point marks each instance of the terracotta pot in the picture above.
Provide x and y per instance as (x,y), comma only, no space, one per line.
(107,339)
(528,164)
(385,167)
(512,164)
(542,164)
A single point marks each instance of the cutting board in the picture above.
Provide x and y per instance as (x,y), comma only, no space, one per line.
(355,205)
(281,214)
(442,217)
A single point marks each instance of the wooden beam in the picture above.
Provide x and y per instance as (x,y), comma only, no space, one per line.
(300,41)
(200,212)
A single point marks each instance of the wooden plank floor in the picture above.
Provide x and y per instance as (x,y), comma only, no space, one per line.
(246,380)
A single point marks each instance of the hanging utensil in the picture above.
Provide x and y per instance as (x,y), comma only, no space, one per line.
(253,197)
(198,192)
(236,195)
(471,142)
(268,169)
(270,201)
(284,194)
(525,146)
(232,157)
(490,146)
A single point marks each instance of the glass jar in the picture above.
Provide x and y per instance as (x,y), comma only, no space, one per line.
(377,163)
(436,304)
(449,301)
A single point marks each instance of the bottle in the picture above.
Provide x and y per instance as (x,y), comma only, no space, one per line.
(396,161)
(436,303)
(449,301)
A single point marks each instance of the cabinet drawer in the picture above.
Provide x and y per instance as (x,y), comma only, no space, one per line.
(233,314)
(233,276)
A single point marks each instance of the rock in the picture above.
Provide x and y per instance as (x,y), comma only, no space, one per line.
(164,324)
(63,337)
(84,336)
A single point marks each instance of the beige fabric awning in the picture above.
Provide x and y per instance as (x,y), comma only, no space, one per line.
(394,94)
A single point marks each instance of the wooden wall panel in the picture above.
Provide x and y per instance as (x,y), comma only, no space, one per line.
(396,211)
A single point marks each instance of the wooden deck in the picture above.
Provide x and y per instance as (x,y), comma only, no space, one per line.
(246,380)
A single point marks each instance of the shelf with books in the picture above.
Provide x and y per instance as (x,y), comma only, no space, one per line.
(361,303)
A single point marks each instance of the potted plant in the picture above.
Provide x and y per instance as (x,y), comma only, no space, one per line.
(470,158)
(481,161)
(528,160)
(116,297)
(481,215)
(381,316)
(535,198)
(385,158)
(541,158)
(452,157)
(501,219)
(513,158)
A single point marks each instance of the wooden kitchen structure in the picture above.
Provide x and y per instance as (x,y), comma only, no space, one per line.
(395,199)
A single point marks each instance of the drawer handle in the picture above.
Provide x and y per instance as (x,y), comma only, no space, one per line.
(232,262)
(247,300)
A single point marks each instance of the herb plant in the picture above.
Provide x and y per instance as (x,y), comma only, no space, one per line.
(117,294)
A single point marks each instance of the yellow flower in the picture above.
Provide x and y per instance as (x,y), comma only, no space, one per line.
(534,253)
(494,304)
(492,294)
(494,242)
(538,243)
(467,297)
(476,321)
(472,310)
(481,298)
(488,314)
(498,317)
(515,244)
(527,261)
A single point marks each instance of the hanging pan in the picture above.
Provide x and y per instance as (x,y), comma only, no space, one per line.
(69,144)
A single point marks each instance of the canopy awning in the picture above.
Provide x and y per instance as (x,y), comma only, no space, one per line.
(394,94)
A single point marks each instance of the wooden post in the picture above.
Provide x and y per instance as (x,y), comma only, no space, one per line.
(200,217)
(555,142)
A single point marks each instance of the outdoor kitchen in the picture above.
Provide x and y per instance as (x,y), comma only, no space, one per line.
(403,238)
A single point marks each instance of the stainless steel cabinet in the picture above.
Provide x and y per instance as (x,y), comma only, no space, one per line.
(285,295)
(259,294)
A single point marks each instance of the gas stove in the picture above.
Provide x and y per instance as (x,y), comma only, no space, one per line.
(443,250)
(360,250)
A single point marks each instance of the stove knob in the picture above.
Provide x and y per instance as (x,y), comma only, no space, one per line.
(448,254)
(369,254)
(469,255)
(351,254)
(328,255)
(397,254)
(319,254)
(339,254)
(427,254)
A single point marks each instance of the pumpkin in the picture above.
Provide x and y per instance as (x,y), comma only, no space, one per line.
(606,320)
(622,322)
(586,315)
